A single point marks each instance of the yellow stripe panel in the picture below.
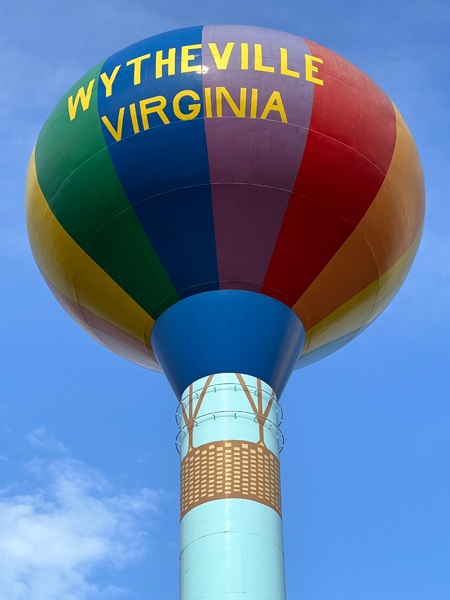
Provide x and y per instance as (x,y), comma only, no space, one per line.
(348,317)
(73,272)
(365,307)
(57,260)
(391,281)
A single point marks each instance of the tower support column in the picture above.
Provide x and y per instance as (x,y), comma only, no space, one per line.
(231,527)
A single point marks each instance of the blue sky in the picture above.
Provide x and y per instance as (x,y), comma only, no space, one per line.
(88,469)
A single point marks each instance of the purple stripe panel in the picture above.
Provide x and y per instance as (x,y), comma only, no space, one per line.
(253,162)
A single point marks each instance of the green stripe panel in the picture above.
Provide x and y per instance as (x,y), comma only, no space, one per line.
(80,184)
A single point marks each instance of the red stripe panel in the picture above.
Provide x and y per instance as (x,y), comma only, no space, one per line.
(348,151)
(117,340)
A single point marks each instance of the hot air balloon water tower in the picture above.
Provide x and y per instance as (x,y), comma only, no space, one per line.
(225,204)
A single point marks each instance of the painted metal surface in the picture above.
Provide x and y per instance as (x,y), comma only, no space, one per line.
(232,549)
(225,204)
(224,158)
(231,529)
(228,331)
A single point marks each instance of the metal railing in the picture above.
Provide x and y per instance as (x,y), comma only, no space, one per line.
(214,415)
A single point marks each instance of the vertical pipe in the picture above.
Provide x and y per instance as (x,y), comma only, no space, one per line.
(231,529)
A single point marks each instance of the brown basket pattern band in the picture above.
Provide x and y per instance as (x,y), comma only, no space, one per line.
(230,469)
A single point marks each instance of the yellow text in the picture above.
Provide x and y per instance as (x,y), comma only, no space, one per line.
(83,97)
(244,106)
(137,62)
(310,69)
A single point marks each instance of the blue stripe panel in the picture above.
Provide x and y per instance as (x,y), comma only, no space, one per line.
(327,349)
(228,331)
(164,169)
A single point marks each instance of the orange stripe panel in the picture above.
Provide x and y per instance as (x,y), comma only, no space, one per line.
(363,308)
(384,234)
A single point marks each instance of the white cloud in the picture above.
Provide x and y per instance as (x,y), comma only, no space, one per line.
(54,539)
(39,438)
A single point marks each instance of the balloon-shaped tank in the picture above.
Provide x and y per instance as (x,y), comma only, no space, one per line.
(224,158)
(225,200)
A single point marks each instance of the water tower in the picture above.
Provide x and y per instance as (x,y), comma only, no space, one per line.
(225,204)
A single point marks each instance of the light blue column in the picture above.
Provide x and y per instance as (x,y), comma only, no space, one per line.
(231,545)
